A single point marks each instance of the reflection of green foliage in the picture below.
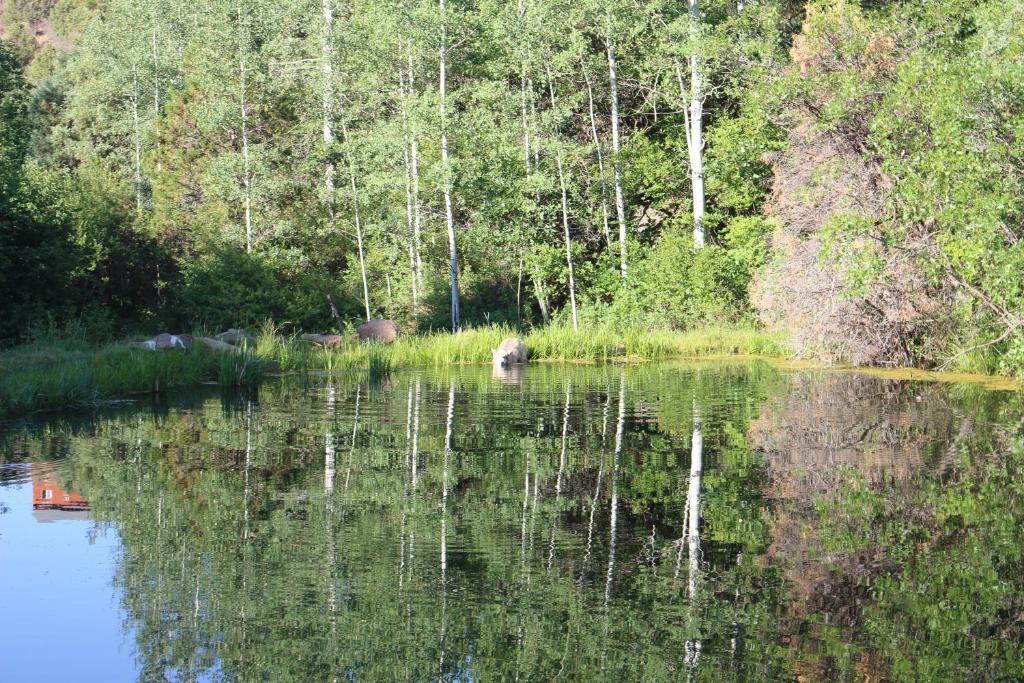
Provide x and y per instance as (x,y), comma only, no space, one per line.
(733,516)
(238,563)
(234,555)
(946,604)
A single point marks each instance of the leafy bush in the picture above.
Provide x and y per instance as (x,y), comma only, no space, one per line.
(230,288)
(678,286)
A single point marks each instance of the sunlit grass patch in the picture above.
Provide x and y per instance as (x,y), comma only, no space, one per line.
(553,343)
(33,378)
(57,373)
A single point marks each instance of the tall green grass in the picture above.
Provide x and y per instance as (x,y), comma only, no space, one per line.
(560,343)
(67,373)
(47,376)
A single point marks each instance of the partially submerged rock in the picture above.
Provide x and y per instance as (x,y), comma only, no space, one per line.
(218,345)
(384,331)
(325,340)
(181,341)
(237,337)
(164,341)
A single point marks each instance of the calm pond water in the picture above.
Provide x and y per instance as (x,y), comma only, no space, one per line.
(662,522)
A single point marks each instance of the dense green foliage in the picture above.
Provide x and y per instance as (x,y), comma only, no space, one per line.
(174,164)
(173,117)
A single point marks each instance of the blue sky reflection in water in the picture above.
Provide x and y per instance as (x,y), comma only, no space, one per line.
(728,521)
(61,614)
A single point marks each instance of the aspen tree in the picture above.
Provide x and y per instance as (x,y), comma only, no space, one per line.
(137,138)
(620,202)
(446,168)
(695,133)
(357,218)
(410,157)
(414,167)
(327,68)
(524,116)
(565,207)
(600,157)
(531,159)
(243,106)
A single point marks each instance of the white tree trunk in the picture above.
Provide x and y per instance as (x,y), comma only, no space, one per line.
(519,281)
(693,646)
(137,128)
(246,178)
(613,522)
(542,299)
(565,211)
(415,168)
(526,121)
(327,68)
(358,219)
(524,112)
(409,211)
(156,71)
(244,109)
(695,138)
(565,440)
(409,226)
(359,235)
(600,157)
(156,81)
(446,171)
(620,203)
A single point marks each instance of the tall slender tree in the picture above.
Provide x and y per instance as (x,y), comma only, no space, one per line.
(357,218)
(596,140)
(565,202)
(695,131)
(613,83)
(446,170)
(327,97)
(243,34)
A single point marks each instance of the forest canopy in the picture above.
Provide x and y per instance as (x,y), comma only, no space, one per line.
(849,173)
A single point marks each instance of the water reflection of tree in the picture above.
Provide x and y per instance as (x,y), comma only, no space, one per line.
(554,511)
(897,525)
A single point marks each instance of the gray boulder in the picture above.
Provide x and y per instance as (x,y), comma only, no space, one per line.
(237,337)
(384,331)
(164,341)
(218,345)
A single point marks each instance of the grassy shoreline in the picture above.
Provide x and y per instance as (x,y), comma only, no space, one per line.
(61,373)
(545,344)
(65,372)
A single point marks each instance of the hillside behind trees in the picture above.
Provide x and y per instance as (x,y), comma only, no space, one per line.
(847,172)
